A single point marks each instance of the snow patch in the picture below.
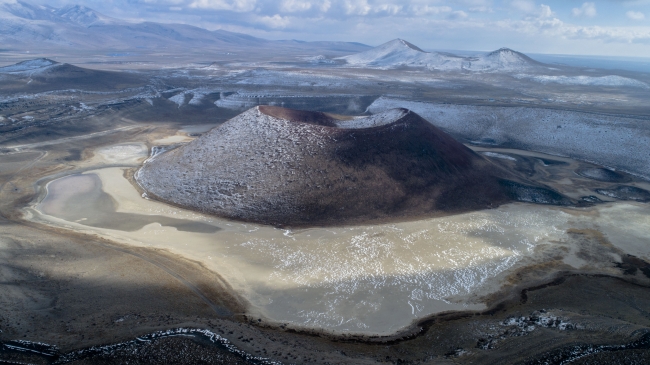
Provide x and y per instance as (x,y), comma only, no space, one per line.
(178,99)
(498,155)
(610,80)
(375,120)
(320,59)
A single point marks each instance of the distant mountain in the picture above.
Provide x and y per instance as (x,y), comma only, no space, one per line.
(42,74)
(83,16)
(25,27)
(400,53)
(28,66)
(503,59)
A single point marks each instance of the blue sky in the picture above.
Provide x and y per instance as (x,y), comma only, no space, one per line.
(608,27)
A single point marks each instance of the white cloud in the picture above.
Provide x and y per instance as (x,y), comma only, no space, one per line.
(232,5)
(356,7)
(419,10)
(429,10)
(635,15)
(481,9)
(545,11)
(458,14)
(325,6)
(291,6)
(587,10)
(525,6)
(526,24)
(390,9)
(555,28)
(276,21)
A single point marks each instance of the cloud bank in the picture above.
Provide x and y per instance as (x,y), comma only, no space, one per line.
(598,27)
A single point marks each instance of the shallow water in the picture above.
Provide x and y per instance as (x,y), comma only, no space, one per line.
(128,153)
(375,278)
(80,198)
(362,279)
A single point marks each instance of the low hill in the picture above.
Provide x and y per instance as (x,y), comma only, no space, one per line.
(400,53)
(43,74)
(503,59)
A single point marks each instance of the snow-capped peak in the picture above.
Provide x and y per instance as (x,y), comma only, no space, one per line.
(25,10)
(392,51)
(82,15)
(503,50)
(399,52)
(29,65)
(75,14)
(407,44)
(503,59)
(507,55)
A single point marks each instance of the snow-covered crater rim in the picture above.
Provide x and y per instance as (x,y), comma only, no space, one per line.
(382,119)
(386,118)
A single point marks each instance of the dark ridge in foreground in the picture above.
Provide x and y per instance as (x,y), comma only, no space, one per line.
(296,168)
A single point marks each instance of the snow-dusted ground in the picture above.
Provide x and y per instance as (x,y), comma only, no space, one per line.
(609,80)
(623,143)
(234,190)
(293,78)
(196,96)
(28,65)
(238,101)
(319,60)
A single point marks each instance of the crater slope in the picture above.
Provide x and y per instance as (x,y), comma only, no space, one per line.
(296,168)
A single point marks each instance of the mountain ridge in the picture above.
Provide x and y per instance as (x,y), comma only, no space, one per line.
(25,26)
